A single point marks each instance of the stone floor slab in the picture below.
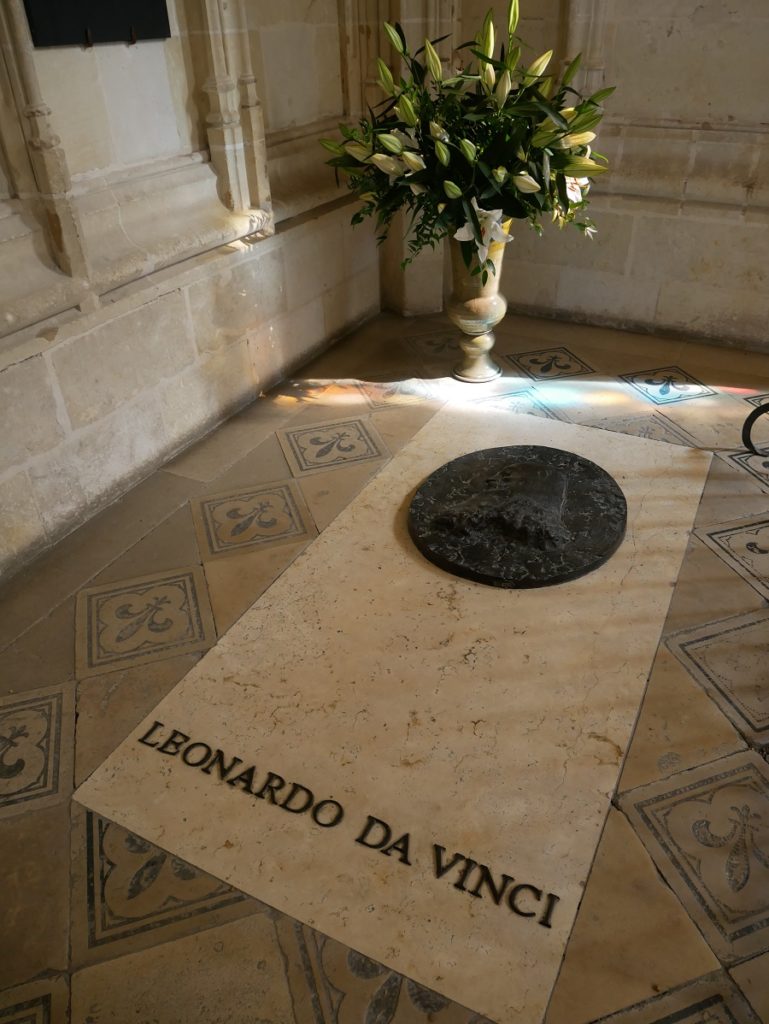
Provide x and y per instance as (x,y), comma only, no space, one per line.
(709,1000)
(743,545)
(382,688)
(752,977)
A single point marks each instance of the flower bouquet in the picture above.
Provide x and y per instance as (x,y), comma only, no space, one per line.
(467,151)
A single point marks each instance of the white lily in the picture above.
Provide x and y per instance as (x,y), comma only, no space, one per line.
(574,187)
(491,231)
(391,166)
(406,138)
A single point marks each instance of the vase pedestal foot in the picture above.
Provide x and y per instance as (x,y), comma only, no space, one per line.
(477,366)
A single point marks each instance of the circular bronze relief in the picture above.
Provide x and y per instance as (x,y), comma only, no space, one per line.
(519,516)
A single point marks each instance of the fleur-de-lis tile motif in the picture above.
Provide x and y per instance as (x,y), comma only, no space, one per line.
(756,465)
(549,363)
(743,545)
(328,445)
(708,831)
(441,343)
(265,515)
(728,659)
(31,747)
(386,394)
(526,401)
(134,887)
(667,384)
(142,620)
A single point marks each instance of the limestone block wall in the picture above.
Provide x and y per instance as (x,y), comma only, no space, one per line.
(683,216)
(148,285)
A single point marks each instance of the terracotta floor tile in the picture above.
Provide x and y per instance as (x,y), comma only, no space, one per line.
(631,940)
(37,1002)
(752,977)
(110,706)
(34,879)
(169,545)
(708,832)
(678,727)
(129,895)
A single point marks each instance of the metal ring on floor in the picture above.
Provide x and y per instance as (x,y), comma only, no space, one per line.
(747,428)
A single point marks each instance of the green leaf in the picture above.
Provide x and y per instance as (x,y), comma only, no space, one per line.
(332,147)
(536,68)
(600,96)
(571,70)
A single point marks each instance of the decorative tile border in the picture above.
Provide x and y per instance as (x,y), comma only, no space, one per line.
(32,1011)
(384,394)
(526,401)
(251,517)
(713,999)
(329,445)
(655,427)
(549,363)
(142,620)
(707,831)
(756,465)
(667,384)
(728,659)
(36,748)
(758,399)
(744,545)
(134,887)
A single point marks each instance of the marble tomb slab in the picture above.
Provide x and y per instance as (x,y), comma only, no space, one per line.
(418,765)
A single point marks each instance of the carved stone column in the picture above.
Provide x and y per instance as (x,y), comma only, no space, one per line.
(61,220)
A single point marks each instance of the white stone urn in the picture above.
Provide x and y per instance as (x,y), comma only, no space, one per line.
(475,308)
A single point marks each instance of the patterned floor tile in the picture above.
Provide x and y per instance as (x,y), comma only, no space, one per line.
(744,545)
(709,1000)
(345,987)
(129,894)
(37,1002)
(325,446)
(549,363)
(656,427)
(758,399)
(442,344)
(253,517)
(707,830)
(385,394)
(756,465)
(728,658)
(36,747)
(667,384)
(526,401)
(142,620)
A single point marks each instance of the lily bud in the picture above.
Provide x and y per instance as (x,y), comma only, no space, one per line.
(525,183)
(358,151)
(413,161)
(512,17)
(438,132)
(578,139)
(469,151)
(487,34)
(502,90)
(385,77)
(406,112)
(391,144)
(441,207)
(433,61)
(395,39)
(333,147)
(386,163)
(452,191)
(417,190)
(488,77)
(538,66)
(499,174)
(441,151)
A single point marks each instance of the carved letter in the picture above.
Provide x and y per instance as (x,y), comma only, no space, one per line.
(552,899)
(272,785)
(174,743)
(371,824)
(402,846)
(295,790)
(245,779)
(512,899)
(440,868)
(145,738)
(200,760)
(488,880)
(339,813)
(218,763)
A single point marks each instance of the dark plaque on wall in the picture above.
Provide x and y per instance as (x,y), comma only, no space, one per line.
(86,22)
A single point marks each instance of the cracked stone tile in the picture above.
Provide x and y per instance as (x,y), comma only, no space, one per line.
(707,830)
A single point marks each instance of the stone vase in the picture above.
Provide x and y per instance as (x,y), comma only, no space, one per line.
(476,308)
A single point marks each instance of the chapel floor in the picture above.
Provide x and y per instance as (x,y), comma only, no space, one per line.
(97,925)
